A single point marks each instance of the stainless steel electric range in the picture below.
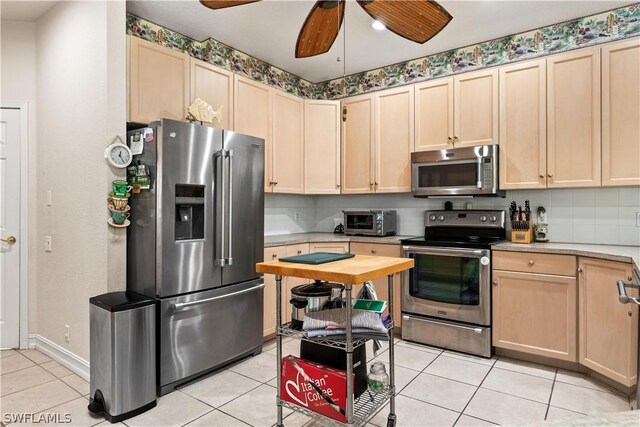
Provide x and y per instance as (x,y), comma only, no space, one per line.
(446,296)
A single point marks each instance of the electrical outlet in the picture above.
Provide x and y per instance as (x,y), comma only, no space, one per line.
(67,336)
(296,215)
(637,219)
(49,198)
(47,243)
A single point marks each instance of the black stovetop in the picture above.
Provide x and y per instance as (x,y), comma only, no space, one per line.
(471,243)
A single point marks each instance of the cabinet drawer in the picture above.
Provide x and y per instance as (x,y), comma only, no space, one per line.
(530,262)
(375,249)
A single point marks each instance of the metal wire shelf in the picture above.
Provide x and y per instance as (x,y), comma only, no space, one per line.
(288,331)
(364,407)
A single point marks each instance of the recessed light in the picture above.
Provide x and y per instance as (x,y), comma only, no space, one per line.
(377,25)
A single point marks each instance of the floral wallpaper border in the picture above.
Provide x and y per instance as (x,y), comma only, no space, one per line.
(222,55)
(577,33)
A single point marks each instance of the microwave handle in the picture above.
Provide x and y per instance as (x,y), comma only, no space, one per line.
(480,174)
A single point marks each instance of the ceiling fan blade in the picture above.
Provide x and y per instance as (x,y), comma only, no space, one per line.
(221,4)
(320,29)
(416,20)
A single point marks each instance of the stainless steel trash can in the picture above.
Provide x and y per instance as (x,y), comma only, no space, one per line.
(123,355)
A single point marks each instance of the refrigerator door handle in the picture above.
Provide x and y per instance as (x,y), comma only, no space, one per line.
(222,260)
(230,210)
(183,305)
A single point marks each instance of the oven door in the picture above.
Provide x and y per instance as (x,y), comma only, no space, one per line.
(360,223)
(448,283)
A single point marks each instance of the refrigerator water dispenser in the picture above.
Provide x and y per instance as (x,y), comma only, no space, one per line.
(189,214)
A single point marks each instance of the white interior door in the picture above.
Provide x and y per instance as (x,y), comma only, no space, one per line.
(9,228)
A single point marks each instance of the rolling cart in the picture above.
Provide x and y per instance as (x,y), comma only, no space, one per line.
(349,272)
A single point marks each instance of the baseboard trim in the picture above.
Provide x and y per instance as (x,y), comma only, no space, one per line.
(61,355)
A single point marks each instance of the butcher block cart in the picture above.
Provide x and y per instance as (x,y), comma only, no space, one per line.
(351,271)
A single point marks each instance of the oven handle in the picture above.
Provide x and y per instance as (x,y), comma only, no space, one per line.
(424,250)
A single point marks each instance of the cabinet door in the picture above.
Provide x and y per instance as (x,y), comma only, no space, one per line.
(434,115)
(476,108)
(621,113)
(158,82)
(269,316)
(321,147)
(288,143)
(573,119)
(382,284)
(523,125)
(252,116)
(291,282)
(608,329)
(215,87)
(357,146)
(393,140)
(535,314)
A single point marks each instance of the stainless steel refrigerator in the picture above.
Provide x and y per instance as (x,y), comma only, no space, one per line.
(195,236)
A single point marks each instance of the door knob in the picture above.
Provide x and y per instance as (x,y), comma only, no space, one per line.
(9,240)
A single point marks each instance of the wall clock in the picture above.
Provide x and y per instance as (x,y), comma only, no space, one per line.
(118,155)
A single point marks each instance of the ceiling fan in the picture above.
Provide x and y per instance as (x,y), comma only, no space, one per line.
(415,20)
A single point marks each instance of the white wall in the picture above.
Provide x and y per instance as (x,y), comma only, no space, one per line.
(603,215)
(81,98)
(18,77)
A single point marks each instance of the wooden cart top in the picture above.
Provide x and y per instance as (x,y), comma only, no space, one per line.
(353,271)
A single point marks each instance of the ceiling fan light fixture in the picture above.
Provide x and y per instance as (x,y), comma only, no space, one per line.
(377,25)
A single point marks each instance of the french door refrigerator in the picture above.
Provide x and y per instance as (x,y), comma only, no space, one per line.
(195,236)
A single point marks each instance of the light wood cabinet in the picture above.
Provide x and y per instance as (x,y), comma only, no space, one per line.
(608,329)
(573,119)
(621,113)
(214,86)
(252,116)
(381,284)
(523,125)
(269,304)
(158,82)
(335,247)
(378,136)
(287,153)
(532,262)
(357,145)
(535,314)
(322,147)
(434,115)
(460,111)
(393,140)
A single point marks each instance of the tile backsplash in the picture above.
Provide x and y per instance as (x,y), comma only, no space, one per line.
(601,215)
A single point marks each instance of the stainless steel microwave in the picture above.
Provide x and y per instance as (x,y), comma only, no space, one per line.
(469,171)
(371,222)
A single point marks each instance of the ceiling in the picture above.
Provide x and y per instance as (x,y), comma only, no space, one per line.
(268,30)
(24,10)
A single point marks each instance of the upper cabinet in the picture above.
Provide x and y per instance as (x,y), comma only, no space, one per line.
(287,161)
(252,116)
(523,125)
(573,119)
(321,141)
(357,145)
(460,111)
(158,82)
(621,113)
(214,86)
(377,140)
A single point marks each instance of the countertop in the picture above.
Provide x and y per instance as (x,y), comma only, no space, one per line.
(608,252)
(294,239)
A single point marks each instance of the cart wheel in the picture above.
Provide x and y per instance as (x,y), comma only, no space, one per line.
(391,420)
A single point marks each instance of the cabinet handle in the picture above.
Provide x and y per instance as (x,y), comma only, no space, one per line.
(299,252)
(373,251)
(629,278)
(550,175)
(541,175)
(375,183)
(450,139)
(579,269)
(629,313)
(371,184)
(531,262)
(274,256)
(275,183)
(337,185)
(495,283)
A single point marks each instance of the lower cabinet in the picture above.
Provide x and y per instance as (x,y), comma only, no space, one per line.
(381,284)
(608,329)
(535,313)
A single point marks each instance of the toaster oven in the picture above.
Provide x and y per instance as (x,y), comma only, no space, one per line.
(371,222)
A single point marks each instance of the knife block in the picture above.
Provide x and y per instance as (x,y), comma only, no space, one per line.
(522,236)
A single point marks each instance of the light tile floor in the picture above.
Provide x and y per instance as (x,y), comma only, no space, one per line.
(440,388)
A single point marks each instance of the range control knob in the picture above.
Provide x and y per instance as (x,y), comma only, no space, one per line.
(432,217)
(483,218)
(493,218)
(441,218)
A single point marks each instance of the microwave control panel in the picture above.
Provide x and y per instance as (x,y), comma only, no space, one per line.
(487,172)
